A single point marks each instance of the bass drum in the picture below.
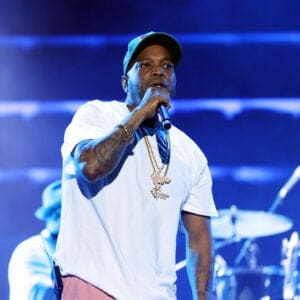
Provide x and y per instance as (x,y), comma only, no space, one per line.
(261,283)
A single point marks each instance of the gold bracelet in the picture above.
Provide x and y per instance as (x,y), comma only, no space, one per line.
(128,132)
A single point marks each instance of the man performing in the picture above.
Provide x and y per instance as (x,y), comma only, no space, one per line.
(128,182)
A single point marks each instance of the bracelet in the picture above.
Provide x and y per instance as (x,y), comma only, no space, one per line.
(128,132)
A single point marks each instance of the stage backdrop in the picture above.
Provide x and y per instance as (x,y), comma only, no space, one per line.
(238,97)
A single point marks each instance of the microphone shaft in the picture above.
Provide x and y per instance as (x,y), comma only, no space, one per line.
(164,117)
(290,183)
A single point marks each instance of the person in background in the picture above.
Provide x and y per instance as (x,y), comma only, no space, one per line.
(30,266)
(128,179)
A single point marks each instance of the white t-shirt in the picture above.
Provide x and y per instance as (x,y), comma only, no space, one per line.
(122,240)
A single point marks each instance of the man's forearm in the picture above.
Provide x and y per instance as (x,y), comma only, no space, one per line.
(199,271)
(203,277)
(97,158)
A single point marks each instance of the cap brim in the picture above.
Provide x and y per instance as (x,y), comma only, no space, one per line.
(42,213)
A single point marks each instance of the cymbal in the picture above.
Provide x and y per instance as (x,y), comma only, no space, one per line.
(236,223)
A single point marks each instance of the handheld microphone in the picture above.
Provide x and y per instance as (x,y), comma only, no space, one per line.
(164,117)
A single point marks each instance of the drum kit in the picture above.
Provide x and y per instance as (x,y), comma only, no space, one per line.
(254,282)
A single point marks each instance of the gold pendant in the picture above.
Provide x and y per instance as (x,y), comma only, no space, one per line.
(158,181)
(158,194)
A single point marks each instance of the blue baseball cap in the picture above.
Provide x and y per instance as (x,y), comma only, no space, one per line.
(51,200)
(139,43)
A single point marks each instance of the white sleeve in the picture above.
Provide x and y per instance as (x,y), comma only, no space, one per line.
(87,123)
(200,200)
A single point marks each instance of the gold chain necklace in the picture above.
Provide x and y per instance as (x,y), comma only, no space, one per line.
(157,179)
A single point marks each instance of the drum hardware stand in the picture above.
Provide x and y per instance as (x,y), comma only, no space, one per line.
(251,256)
(234,237)
(289,260)
(248,242)
(226,242)
(294,178)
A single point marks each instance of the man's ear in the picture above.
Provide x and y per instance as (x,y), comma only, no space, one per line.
(124,82)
